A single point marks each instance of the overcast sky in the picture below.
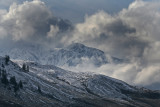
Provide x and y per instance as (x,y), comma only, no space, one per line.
(75,10)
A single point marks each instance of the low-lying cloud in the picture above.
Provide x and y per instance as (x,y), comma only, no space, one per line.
(131,34)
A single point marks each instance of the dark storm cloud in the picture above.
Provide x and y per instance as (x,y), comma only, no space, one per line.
(119,28)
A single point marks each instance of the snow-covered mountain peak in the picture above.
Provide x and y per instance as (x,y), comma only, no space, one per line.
(76,46)
(85,50)
(72,55)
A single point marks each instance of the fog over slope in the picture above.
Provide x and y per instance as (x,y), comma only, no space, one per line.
(131,34)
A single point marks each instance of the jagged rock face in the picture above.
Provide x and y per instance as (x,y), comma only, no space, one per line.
(65,88)
(72,55)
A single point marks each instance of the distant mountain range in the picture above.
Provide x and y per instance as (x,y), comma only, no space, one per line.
(71,55)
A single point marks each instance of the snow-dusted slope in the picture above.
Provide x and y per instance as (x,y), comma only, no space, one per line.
(65,88)
(72,55)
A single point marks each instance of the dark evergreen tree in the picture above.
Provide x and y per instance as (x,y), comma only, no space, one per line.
(2,66)
(13,81)
(24,67)
(0,73)
(4,79)
(27,69)
(7,58)
(9,88)
(16,88)
(4,72)
(39,89)
(20,84)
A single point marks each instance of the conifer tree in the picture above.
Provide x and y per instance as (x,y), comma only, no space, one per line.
(20,84)
(2,66)
(16,88)
(4,79)
(24,67)
(0,72)
(13,81)
(39,89)
(27,69)
(7,58)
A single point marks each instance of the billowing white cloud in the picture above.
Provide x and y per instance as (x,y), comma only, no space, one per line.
(29,21)
(148,75)
(131,29)
(133,34)
(3,32)
(53,31)
(25,20)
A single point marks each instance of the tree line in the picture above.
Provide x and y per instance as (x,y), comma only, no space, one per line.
(12,82)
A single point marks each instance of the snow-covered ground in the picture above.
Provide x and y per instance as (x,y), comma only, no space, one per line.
(60,87)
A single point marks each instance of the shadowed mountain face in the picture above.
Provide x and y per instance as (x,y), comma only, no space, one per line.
(58,87)
(71,55)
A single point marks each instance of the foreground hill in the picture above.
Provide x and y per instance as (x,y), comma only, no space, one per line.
(48,86)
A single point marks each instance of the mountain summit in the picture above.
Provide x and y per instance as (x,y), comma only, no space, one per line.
(71,55)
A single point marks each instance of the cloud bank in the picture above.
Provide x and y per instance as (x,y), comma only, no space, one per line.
(31,21)
(131,34)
